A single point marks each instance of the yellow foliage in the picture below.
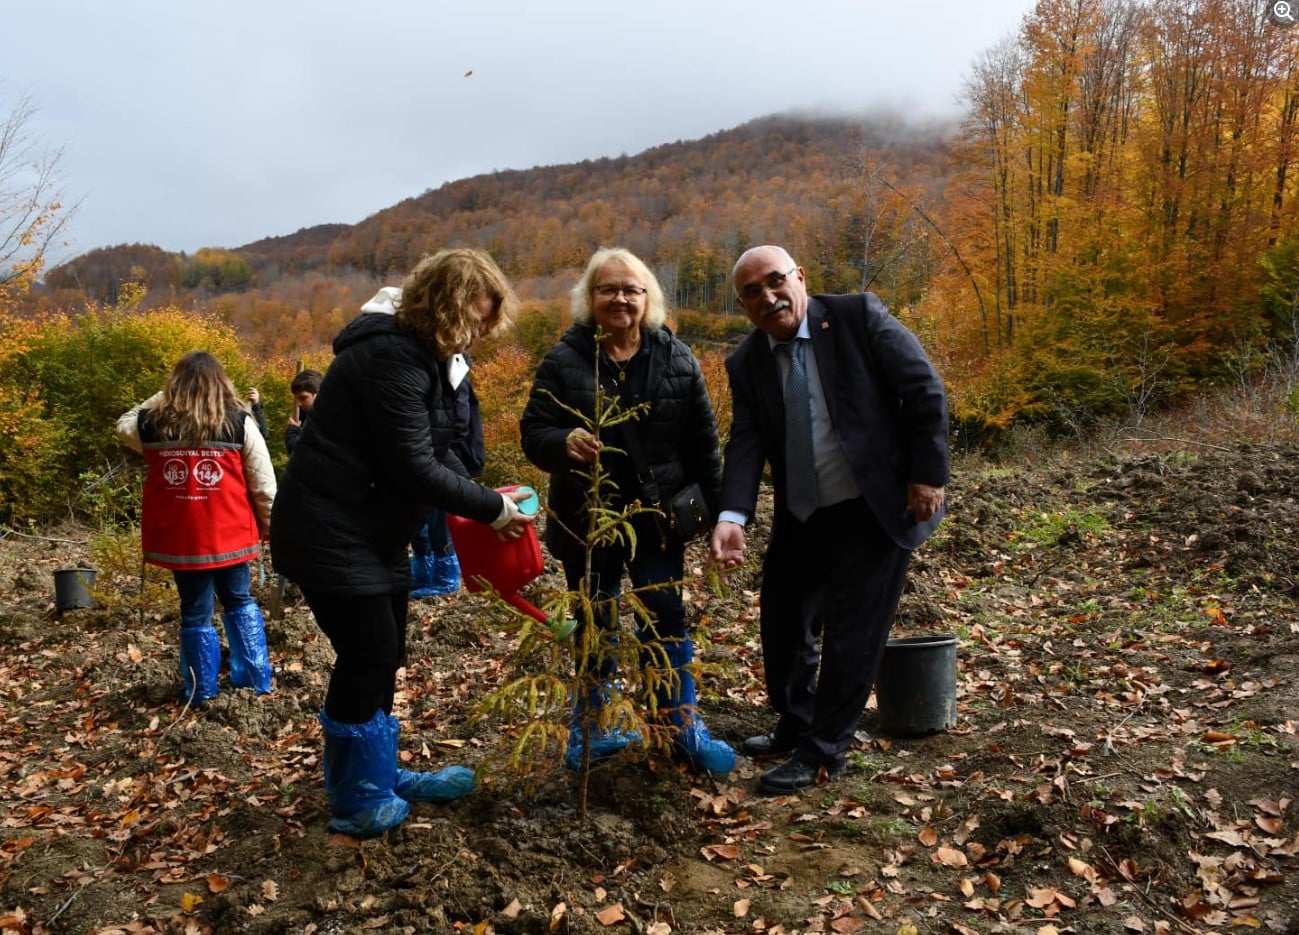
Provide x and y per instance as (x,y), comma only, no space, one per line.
(30,447)
(713,364)
(64,380)
(502,383)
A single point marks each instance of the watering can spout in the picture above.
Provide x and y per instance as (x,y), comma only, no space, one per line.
(523,606)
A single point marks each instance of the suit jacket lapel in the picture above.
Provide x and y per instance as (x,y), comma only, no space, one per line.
(819,327)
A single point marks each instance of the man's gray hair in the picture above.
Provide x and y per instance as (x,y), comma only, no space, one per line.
(752,251)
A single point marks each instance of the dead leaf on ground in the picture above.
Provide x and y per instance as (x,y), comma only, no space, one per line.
(713,852)
(950,857)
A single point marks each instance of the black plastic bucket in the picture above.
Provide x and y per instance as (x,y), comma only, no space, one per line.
(916,688)
(72,588)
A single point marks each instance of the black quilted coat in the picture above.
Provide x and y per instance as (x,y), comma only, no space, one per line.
(678,433)
(373,457)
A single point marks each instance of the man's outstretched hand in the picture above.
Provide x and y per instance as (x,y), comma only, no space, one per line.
(727,545)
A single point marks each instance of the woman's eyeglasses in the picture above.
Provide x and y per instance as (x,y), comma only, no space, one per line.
(610,291)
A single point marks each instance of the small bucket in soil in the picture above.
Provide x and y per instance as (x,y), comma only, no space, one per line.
(72,588)
(916,688)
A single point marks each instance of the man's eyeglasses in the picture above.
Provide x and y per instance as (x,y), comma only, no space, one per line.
(610,291)
(773,281)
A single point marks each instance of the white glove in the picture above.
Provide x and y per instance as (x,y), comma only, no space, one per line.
(509,510)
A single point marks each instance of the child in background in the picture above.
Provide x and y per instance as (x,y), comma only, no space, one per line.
(304,387)
(255,406)
(207,507)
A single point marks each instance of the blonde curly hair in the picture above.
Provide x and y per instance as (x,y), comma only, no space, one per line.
(437,300)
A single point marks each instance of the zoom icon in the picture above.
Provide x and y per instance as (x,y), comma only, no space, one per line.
(1283,12)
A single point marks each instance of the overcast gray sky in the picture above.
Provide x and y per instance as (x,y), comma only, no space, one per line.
(189,124)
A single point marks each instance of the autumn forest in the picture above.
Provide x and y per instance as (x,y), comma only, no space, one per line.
(1100,254)
(1112,226)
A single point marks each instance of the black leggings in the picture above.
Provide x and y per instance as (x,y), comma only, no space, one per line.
(368,634)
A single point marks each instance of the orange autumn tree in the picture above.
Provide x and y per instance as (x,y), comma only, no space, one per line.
(1126,167)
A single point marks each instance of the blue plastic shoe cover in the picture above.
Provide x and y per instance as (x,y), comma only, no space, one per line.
(605,741)
(200,661)
(447,574)
(446,785)
(360,772)
(250,663)
(444,578)
(423,569)
(693,743)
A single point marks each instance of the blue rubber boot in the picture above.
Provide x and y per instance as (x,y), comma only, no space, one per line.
(446,785)
(605,741)
(423,575)
(360,771)
(250,663)
(200,661)
(692,744)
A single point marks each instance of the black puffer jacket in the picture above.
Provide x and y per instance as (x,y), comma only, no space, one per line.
(678,433)
(374,454)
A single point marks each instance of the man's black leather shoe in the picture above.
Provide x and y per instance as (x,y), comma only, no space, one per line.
(765,745)
(795,774)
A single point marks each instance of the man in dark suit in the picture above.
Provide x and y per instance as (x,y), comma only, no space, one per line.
(858,470)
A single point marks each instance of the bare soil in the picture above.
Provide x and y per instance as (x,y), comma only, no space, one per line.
(1124,759)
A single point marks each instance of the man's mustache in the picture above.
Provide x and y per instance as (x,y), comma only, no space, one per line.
(778,306)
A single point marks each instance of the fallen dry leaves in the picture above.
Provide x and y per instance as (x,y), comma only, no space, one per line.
(1125,756)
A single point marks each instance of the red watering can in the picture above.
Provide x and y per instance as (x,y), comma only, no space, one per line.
(505,565)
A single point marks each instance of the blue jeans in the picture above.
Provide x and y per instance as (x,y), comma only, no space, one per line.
(197,590)
(433,538)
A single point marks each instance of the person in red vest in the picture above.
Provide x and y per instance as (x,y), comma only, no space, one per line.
(207,507)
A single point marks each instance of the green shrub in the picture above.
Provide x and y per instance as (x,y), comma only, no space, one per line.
(66,380)
(31,453)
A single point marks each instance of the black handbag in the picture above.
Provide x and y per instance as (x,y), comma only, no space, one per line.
(688,512)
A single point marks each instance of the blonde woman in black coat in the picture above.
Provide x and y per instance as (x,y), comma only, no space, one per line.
(638,360)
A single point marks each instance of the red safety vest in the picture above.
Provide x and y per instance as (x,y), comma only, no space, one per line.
(196,511)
